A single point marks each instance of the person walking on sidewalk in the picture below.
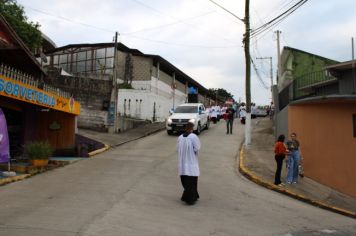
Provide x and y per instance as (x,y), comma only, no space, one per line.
(280,151)
(293,159)
(188,146)
(242,112)
(229,113)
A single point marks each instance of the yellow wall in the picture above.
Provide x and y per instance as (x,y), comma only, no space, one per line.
(328,147)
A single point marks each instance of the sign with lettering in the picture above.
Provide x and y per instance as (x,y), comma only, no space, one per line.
(27,93)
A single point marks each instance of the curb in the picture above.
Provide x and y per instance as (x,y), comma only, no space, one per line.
(140,137)
(8,180)
(248,174)
(96,152)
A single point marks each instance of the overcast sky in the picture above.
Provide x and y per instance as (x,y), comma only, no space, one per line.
(200,38)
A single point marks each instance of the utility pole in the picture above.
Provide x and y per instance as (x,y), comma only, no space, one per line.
(352,45)
(112,113)
(174,90)
(248,73)
(353,65)
(246,42)
(279,67)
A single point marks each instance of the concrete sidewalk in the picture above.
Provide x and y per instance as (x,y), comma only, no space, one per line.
(258,164)
(114,140)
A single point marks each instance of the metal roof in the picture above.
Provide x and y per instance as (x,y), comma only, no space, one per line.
(347,65)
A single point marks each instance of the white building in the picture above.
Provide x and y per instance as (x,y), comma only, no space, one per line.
(149,87)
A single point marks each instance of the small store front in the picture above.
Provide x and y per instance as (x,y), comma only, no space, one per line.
(34,114)
(30,109)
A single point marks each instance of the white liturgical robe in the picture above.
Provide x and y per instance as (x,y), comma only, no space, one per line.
(188,148)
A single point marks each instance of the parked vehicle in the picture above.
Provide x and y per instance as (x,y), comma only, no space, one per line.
(188,112)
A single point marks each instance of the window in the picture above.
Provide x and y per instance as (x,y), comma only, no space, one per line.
(89,54)
(55,59)
(186,109)
(109,52)
(63,58)
(109,62)
(100,64)
(100,53)
(81,66)
(73,58)
(81,56)
(354,123)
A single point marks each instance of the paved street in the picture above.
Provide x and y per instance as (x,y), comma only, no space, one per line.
(134,190)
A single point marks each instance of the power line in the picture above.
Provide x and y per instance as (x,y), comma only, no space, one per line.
(70,20)
(169,24)
(181,45)
(164,14)
(254,31)
(277,19)
(284,5)
(128,34)
(258,74)
(227,11)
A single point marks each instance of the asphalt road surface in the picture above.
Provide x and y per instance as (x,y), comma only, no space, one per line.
(134,189)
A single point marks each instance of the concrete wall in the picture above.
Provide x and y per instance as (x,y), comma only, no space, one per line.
(325,131)
(281,122)
(142,68)
(147,98)
(91,93)
(94,119)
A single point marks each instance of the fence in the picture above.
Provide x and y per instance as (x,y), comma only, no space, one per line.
(318,83)
(24,78)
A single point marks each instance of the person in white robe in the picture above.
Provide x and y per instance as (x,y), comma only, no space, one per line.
(214,114)
(188,146)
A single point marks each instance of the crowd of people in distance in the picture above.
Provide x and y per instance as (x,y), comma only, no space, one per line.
(217,112)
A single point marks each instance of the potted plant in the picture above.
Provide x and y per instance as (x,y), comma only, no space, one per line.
(38,152)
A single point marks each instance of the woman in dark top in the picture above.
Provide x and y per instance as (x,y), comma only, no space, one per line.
(280,152)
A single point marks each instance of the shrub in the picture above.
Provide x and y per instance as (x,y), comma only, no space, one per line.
(38,150)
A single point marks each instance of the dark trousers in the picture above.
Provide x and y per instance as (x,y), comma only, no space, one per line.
(190,185)
(279,159)
(229,124)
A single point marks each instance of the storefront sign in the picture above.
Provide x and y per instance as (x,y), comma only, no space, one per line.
(23,92)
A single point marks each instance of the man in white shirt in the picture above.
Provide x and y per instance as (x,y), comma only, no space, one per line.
(188,146)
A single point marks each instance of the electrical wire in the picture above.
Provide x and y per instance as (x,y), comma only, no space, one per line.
(258,74)
(277,19)
(169,24)
(227,10)
(254,31)
(190,25)
(69,20)
(129,33)
(182,45)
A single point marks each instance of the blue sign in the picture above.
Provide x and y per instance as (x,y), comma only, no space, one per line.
(192,90)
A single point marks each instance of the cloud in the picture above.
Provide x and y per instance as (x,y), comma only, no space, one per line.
(208,46)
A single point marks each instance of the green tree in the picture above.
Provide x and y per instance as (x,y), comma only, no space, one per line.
(220,93)
(28,31)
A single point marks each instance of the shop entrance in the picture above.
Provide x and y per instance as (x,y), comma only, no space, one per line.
(15,127)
